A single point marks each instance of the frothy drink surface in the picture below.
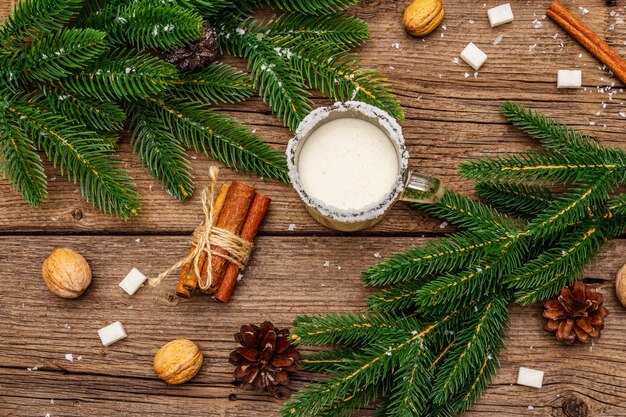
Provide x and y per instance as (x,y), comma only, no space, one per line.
(348,163)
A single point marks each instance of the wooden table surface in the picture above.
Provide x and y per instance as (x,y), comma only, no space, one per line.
(452,116)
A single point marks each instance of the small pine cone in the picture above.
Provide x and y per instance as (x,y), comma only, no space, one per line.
(198,55)
(264,357)
(575,314)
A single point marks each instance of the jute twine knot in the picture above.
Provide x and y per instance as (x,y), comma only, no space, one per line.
(205,237)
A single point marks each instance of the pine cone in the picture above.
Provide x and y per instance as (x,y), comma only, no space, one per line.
(197,55)
(264,357)
(577,313)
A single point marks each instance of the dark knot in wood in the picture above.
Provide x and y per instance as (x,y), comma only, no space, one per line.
(575,407)
(367,9)
(281,393)
(77,214)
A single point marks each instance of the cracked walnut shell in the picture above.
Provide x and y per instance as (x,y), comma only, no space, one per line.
(423,16)
(177,361)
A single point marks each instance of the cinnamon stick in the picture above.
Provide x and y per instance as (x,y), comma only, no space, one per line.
(232,218)
(587,38)
(258,210)
(188,279)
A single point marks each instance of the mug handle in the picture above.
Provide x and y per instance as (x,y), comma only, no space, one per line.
(422,189)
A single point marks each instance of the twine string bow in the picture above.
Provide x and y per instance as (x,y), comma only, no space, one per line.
(205,237)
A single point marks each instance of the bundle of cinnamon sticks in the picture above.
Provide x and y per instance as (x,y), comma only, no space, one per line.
(239,209)
(587,38)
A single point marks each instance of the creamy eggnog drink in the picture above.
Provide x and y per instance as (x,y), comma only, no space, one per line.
(348,163)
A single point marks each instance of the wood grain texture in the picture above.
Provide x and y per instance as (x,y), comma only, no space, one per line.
(38,329)
(450,118)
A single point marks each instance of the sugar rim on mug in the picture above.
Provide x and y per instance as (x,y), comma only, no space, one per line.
(373,114)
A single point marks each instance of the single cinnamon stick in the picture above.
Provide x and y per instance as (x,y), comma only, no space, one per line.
(258,210)
(232,218)
(188,279)
(587,38)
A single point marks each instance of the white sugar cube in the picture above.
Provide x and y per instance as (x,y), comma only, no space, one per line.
(473,56)
(112,333)
(500,15)
(133,281)
(530,377)
(569,79)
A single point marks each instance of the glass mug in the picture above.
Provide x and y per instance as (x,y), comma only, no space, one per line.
(408,186)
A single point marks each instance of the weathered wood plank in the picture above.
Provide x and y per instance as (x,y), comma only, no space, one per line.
(450,118)
(286,278)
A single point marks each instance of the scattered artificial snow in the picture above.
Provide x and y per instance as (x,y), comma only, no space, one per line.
(583,10)
(395,45)
(444,224)
(471,21)
(377,255)
(498,39)
(69,357)
(326,264)
(292,227)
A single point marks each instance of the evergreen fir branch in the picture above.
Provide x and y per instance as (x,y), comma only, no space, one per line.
(103,116)
(313,7)
(340,77)
(372,368)
(617,206)
(573,206)
(275,80)
(468,214)
(545,276)
(446,254)
(537,168)
(449,291)
(221,138)
(396,299)
(473,343)
(357,399)
(20,163)
(148,24)
(479,378)
(216,84)
(330,360)
(344,329)
(62,53)
(33,17)
(518,199)
(411,385)
(161,152)
(124,74)
(335,33)
(85,157)
(559,137)
(208,8)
